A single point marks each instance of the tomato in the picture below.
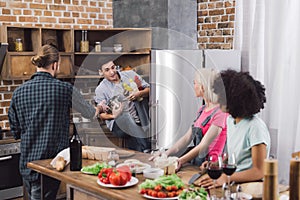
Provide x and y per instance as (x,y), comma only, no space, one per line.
(154,193)
(161,195)
(104,175)
(170,194)
(158,188)
(118,178)
(169,188)
(125,169)
(174,187)
(143,191)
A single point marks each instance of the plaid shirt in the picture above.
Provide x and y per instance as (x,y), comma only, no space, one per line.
(39,114)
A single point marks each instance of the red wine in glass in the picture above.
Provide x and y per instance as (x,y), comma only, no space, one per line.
(214,172)
(229,169)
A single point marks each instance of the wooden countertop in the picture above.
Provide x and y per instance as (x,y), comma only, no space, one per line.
(9,141)
(89,182)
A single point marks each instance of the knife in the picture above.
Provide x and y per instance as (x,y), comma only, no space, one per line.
(196,176)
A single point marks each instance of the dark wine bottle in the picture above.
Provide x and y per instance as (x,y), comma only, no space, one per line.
(75,151)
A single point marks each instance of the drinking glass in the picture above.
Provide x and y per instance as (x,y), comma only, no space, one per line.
(214,170)
(229,167)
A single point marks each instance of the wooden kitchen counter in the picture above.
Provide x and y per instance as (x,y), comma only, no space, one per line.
(82,186)
(88,183)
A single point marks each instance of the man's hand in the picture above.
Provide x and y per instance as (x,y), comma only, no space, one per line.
(117,109)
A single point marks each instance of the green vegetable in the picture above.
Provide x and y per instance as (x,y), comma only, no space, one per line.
(164,181)
(193,193)
(95,168)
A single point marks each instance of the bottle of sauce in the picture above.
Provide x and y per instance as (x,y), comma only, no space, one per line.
(18,45)
(75,151)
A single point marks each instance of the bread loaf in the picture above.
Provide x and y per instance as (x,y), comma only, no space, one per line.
(60,163)
(96,153)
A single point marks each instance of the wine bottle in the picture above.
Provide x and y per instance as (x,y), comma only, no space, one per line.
(75,151)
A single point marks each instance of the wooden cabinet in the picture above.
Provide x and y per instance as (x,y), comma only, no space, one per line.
(17,64)
(136,44)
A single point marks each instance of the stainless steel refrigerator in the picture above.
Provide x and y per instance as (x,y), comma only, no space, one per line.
(172,99)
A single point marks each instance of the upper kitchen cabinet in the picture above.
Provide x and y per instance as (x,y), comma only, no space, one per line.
(24,42)
(63,40)
(125,46)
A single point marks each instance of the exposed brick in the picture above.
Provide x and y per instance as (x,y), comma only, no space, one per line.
(3,117)
(220,5)
(48,1)
(66,20)
(216,39)
(12,88)
(203,40)
(107,10)
(216,19)
(57,7)
(47,13)
(226,25)
(103,22)
(1,111)
(67,1)
(17,12)
(93,15)
(93,3)
(75,2)
(57,1)
(84,21)
(57,14)
(231,18)
(67,14)
(27,12)
(230,11)
(3,89)
(7,82)
(38,6)
(228,4)
(5,11)
(229,40)
(84,15)
(203,13)
(207,19)
(37,12)
(48,19)
(224,18)
(213,46)
(209,26)
(216,12)
(89,9)
(227,32)
(211,5)
(202,46)
(5,103)
(7,96)
(203,6)
(75,8)
(13,4)
(8,18)
(101,4)
(202,33)
(2,4)
(28,19)
(75,14)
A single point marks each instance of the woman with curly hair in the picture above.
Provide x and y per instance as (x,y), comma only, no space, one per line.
(247,135)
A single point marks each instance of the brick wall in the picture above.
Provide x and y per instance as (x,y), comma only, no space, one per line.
(215,24)
(50,13)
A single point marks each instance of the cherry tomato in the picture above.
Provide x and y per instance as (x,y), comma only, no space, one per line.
(158,188)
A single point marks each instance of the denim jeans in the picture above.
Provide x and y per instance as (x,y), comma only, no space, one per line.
(33,188)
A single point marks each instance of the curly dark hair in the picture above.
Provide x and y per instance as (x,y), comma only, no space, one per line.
(240,93)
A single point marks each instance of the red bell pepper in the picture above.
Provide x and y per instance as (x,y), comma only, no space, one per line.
(104,175)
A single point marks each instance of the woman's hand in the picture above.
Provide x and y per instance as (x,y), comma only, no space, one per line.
(207,182)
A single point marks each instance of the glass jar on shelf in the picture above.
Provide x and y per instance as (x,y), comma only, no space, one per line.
(97,46)
(18,45)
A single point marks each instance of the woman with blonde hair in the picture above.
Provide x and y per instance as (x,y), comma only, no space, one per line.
(208,132)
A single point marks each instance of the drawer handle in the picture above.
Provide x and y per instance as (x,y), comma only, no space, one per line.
(6,158)
(25,73)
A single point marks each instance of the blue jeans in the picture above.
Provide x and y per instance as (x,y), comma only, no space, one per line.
(33,188)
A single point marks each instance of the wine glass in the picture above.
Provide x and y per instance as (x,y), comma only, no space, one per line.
(214,170)
(229,167)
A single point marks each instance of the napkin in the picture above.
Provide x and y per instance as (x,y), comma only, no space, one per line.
(65,154)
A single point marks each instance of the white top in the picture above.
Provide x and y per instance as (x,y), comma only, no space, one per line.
(241,137)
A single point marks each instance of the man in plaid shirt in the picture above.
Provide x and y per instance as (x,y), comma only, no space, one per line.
(39,115)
